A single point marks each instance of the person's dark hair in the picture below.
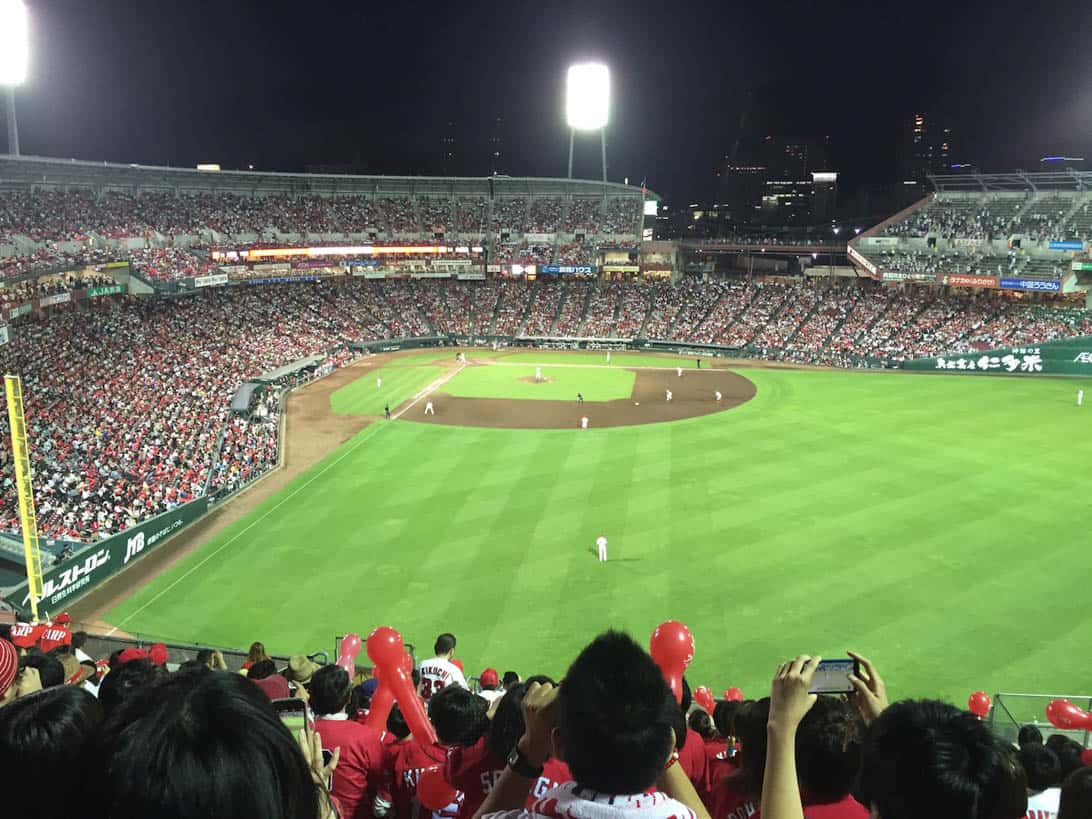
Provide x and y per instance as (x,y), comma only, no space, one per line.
(50,670)
(359,700)
(444,643)
(79,639)
(197,745)
(1029,734)
(256,652)
(204,656)
(750,723)
(1076,799)
(1068,752)
(509,679)
(506,727)
(1041,766)
(828,749)
(724,716)
(416,677)
(330,689)
(261,669)
(459,716)
(42,740)
(687,697)
(928,758)
(616,716)
(396,723)
(702,723)
(190,666)
(125,680)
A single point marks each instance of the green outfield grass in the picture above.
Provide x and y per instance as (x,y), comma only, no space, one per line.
(923,520)
(400,383)
(562,383)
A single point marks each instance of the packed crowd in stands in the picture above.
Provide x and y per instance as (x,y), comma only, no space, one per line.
(127,401)
(142,732)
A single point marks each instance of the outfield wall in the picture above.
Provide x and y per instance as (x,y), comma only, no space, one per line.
(1070,356)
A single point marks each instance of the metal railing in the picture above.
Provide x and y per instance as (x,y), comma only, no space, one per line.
(1011,711)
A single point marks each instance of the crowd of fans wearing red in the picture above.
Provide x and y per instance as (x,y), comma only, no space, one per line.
(137,734)
(127,402)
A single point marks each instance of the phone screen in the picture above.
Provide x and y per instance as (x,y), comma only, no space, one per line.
(832,676)
(293,714)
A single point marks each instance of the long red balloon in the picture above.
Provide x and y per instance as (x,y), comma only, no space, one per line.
(672,648)
(382,700)
(387,651)
(1067,716)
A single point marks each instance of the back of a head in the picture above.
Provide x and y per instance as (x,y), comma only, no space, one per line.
(261,669)
(396,723)
(615,716)
(1041,766)
(1076,799)
(50,669)
(125,680)
(828,749)
(197,745)
(1029,734)
(42,740)
(444,644)
(1069,756)
(330,689)
(724,716)
(750,723)
(928,758)
(509,679)
(702,723)
(459,716)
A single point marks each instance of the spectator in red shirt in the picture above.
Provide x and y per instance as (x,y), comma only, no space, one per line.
(474,768)
(737,795)
(407,759)
(359,772)
(692,756)
(722,761)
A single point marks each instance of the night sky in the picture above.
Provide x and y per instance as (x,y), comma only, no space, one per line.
(290,85)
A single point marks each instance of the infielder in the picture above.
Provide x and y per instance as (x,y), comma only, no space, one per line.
(379,383)
(584,422)
(669,395)
(429,409)
(538,373)
(1080,397)
(608,356)
(717,394)
(601,542)
(579,398)
(679,371)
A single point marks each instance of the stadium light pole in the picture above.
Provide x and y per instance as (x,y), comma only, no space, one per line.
(587,103)
(13,61)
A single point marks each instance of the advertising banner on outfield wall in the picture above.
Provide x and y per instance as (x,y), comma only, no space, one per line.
(908,276)
(1071,356)
(1069,244)
(968,280)
(108,290)
(1038,285)
(856,257)
(80,574)
(215,280)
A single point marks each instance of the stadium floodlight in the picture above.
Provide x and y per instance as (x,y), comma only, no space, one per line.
(587,105)
(14,51)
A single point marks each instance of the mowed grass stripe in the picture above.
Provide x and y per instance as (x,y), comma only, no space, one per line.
(366,397)
(560,384)
(909,517)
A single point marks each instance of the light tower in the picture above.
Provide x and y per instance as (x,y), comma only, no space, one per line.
(587,103)
(13,60)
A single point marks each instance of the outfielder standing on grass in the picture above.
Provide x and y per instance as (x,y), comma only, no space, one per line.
(379,383)
(387,411)
(601,542)
(579,398)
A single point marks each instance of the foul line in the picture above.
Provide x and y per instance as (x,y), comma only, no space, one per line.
(352,448)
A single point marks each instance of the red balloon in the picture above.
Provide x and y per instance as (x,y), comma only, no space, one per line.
(380,707)
(733,694)
(433,792)
(704,697)
(979,704)
(1086,756)
(672,649)
(350,645)
(348,663)
(387,651)
(1067,716)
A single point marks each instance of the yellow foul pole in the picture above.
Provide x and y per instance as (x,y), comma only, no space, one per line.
(13,387)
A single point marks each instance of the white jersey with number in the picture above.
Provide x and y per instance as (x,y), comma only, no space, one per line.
(436,675)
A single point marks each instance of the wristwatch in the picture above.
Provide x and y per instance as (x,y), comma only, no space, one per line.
(518,763)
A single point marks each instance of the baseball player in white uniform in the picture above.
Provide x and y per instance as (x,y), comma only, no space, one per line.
(1080,397)
(601,542)
(538,373)
(584,422)
(379,383)
(679,371)
(717,394)
(429,409)
(669,395)
(608,356)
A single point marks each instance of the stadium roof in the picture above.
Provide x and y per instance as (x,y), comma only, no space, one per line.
(23,172)
(1068,180)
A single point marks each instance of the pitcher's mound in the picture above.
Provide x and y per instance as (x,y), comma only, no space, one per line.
(530,379)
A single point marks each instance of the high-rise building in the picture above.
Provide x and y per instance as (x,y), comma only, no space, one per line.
(496,146)
(925,147)
(772,182)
